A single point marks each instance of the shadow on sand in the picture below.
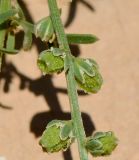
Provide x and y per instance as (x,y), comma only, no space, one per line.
(43,86)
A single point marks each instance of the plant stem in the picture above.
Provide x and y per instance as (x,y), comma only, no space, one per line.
(71,84)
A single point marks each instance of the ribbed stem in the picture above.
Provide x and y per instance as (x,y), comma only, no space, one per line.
(71,84)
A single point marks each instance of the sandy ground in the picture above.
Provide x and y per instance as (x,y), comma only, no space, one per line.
(29,101)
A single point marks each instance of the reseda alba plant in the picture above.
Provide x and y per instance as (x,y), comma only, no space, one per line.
(79,72)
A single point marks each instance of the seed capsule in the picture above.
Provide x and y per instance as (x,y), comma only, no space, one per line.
(57,136)
(49,63)
(102,143)
(87,75)
(92,84)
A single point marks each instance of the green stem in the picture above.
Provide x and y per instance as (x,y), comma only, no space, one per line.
(71,84)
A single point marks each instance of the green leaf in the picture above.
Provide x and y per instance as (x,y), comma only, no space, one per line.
(6,15)
(9,51)
(10,45)
(26,25)
(81,38)
(5,12)
(44,29)
(28,30)
(5,5)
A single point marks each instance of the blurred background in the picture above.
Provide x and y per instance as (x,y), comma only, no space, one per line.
(28,101)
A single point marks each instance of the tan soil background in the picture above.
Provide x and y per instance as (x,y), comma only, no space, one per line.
(26,110)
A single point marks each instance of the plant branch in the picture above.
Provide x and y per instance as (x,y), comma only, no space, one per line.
(71,84)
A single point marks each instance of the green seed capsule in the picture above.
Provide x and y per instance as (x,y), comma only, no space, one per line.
(49,63)
(44,29)
(51,140)
(87,75)
(101,144)
(92,84)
